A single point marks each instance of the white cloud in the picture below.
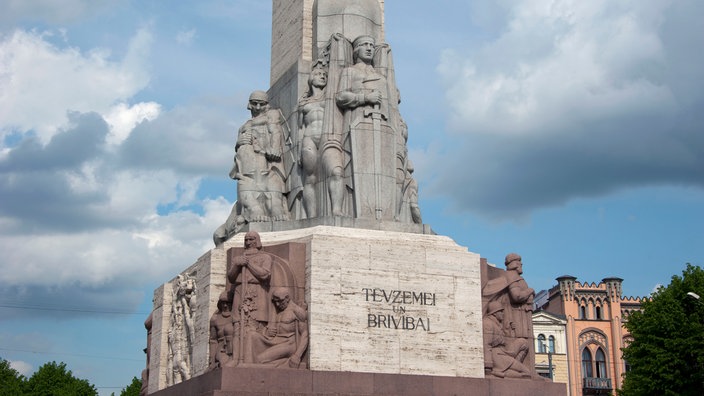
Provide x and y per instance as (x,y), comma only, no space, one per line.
(123,118)
(41,82)
(186,37)
(560,64)
(655,288)
(23,368)
(152,251)
(574,99)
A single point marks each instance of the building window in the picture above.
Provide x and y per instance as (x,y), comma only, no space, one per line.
(551,344)
(586,363)
(597,312)
(600,364)
(583,312)
(541,343)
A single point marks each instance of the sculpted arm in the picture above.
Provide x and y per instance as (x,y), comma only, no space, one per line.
(302,322)
(235,269)
(497,338)
(347,98)
(274,123)
(261,267)
(520,293)
(244,137)
(301,116)
(213,340)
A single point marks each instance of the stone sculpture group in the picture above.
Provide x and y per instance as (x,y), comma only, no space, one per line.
(257,321)
(335,155)
(181,332)
(347,156)
(507,323)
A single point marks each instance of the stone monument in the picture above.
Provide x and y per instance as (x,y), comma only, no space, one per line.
(508,328)
(324,280)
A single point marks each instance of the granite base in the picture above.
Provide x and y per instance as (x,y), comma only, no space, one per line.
(269,382)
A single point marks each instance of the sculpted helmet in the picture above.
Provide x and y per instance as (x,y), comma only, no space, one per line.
(258,96)
(493,307)
(223,301)
(511,257)
(224,297)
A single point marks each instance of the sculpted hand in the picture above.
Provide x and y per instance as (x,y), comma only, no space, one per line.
(294,361)
(245,139)
(273,156)
(373,97)
(241,261)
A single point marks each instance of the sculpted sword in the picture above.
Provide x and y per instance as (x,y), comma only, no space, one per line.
(375,114)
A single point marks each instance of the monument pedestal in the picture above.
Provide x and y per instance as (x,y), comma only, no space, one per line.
(388,313)
(263,382)
(378,302)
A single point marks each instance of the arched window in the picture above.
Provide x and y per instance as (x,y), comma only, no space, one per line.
(600,364)
(551,344)
(586,363)
(541,343)
(583,312)
(597,312)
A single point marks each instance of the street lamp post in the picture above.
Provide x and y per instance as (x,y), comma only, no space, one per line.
(545,347)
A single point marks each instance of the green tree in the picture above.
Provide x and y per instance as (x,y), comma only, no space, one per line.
(10,380)
(667,353)
(53,379)
(133,388)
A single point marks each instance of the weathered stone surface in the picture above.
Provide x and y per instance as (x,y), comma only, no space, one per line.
(344,148)
(378,301)
(291,35)
(210,282)
(269,382)
(350,18)
(343,262)
(507,306)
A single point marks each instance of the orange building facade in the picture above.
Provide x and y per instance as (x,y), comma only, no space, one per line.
(595,331)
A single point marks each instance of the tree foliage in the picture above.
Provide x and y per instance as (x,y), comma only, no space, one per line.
(10,380)
(667,353)
(52,379)
(133,388)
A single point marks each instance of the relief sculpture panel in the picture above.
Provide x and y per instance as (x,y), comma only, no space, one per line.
(507,303)
(181,331)
(261,317)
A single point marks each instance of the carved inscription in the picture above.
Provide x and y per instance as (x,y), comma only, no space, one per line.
(398,300)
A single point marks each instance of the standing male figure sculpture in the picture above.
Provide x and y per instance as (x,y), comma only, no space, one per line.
(364,96)
(258,168)
(360,84)
(520,313)
(250,275)
(510,290)
(320,154)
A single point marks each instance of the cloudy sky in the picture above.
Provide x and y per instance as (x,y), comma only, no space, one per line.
(571,132)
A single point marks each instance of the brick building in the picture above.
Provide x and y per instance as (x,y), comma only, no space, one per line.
(595,333)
